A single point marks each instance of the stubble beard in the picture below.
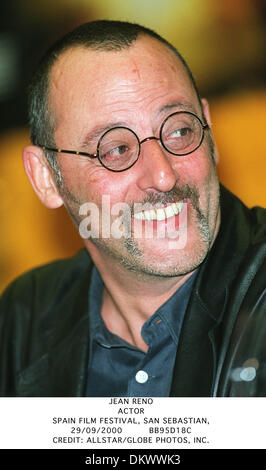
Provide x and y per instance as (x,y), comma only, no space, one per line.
(129,251)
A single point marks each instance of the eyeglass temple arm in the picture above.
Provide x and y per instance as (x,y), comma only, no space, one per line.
(67,151)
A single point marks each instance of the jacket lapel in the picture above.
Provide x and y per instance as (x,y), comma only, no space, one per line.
(206,327)
(195,364)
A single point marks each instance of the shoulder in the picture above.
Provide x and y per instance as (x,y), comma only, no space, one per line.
(38,311)
(243,244)
(45,281)
(246,224)
(236,261)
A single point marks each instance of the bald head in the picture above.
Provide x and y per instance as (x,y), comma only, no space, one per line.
(97,35)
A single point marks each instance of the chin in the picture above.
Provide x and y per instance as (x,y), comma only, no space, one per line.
(164,259)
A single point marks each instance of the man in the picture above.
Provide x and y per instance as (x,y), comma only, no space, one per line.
(170,285)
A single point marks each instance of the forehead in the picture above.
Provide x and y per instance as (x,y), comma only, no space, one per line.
(85,81)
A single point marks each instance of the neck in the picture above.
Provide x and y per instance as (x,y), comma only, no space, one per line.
(130,299)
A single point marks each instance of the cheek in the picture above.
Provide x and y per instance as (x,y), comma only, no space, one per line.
(89,182)
(77,177)
(197,169)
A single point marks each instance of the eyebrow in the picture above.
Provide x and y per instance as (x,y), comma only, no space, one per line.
(98,131)
(182,105)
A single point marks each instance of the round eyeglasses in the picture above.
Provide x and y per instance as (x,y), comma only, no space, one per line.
(118,149)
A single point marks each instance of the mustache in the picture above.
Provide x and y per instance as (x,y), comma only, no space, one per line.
(177,193)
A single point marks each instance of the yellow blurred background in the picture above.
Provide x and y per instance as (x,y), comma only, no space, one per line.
(222,41)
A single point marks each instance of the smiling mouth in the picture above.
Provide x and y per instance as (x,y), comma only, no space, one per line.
(162,213)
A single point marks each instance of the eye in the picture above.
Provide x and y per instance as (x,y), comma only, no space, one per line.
(114,152)
(182,132)
(178,137)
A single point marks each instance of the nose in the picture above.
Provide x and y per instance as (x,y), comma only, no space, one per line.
(155,170)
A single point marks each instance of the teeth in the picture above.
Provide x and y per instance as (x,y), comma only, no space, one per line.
(160,214)
(171,210)
(147,215)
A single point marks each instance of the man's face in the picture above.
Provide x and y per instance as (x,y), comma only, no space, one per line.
(137,87)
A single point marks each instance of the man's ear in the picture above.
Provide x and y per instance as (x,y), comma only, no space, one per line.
(41,176)
(206,112)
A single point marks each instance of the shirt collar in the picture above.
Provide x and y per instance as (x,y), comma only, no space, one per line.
(173,310)
(171,313)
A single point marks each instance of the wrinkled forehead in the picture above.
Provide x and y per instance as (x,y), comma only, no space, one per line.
(85,75)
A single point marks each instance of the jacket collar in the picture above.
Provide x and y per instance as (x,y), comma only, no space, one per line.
(201,337)
(218,271)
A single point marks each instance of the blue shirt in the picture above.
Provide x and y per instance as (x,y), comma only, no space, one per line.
(119,369)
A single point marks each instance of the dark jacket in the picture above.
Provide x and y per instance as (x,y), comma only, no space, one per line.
(44,320)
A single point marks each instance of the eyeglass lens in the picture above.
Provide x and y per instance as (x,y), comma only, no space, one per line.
(118,148)
(180,134)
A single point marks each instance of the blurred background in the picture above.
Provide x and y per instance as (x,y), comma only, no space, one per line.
(222,40)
